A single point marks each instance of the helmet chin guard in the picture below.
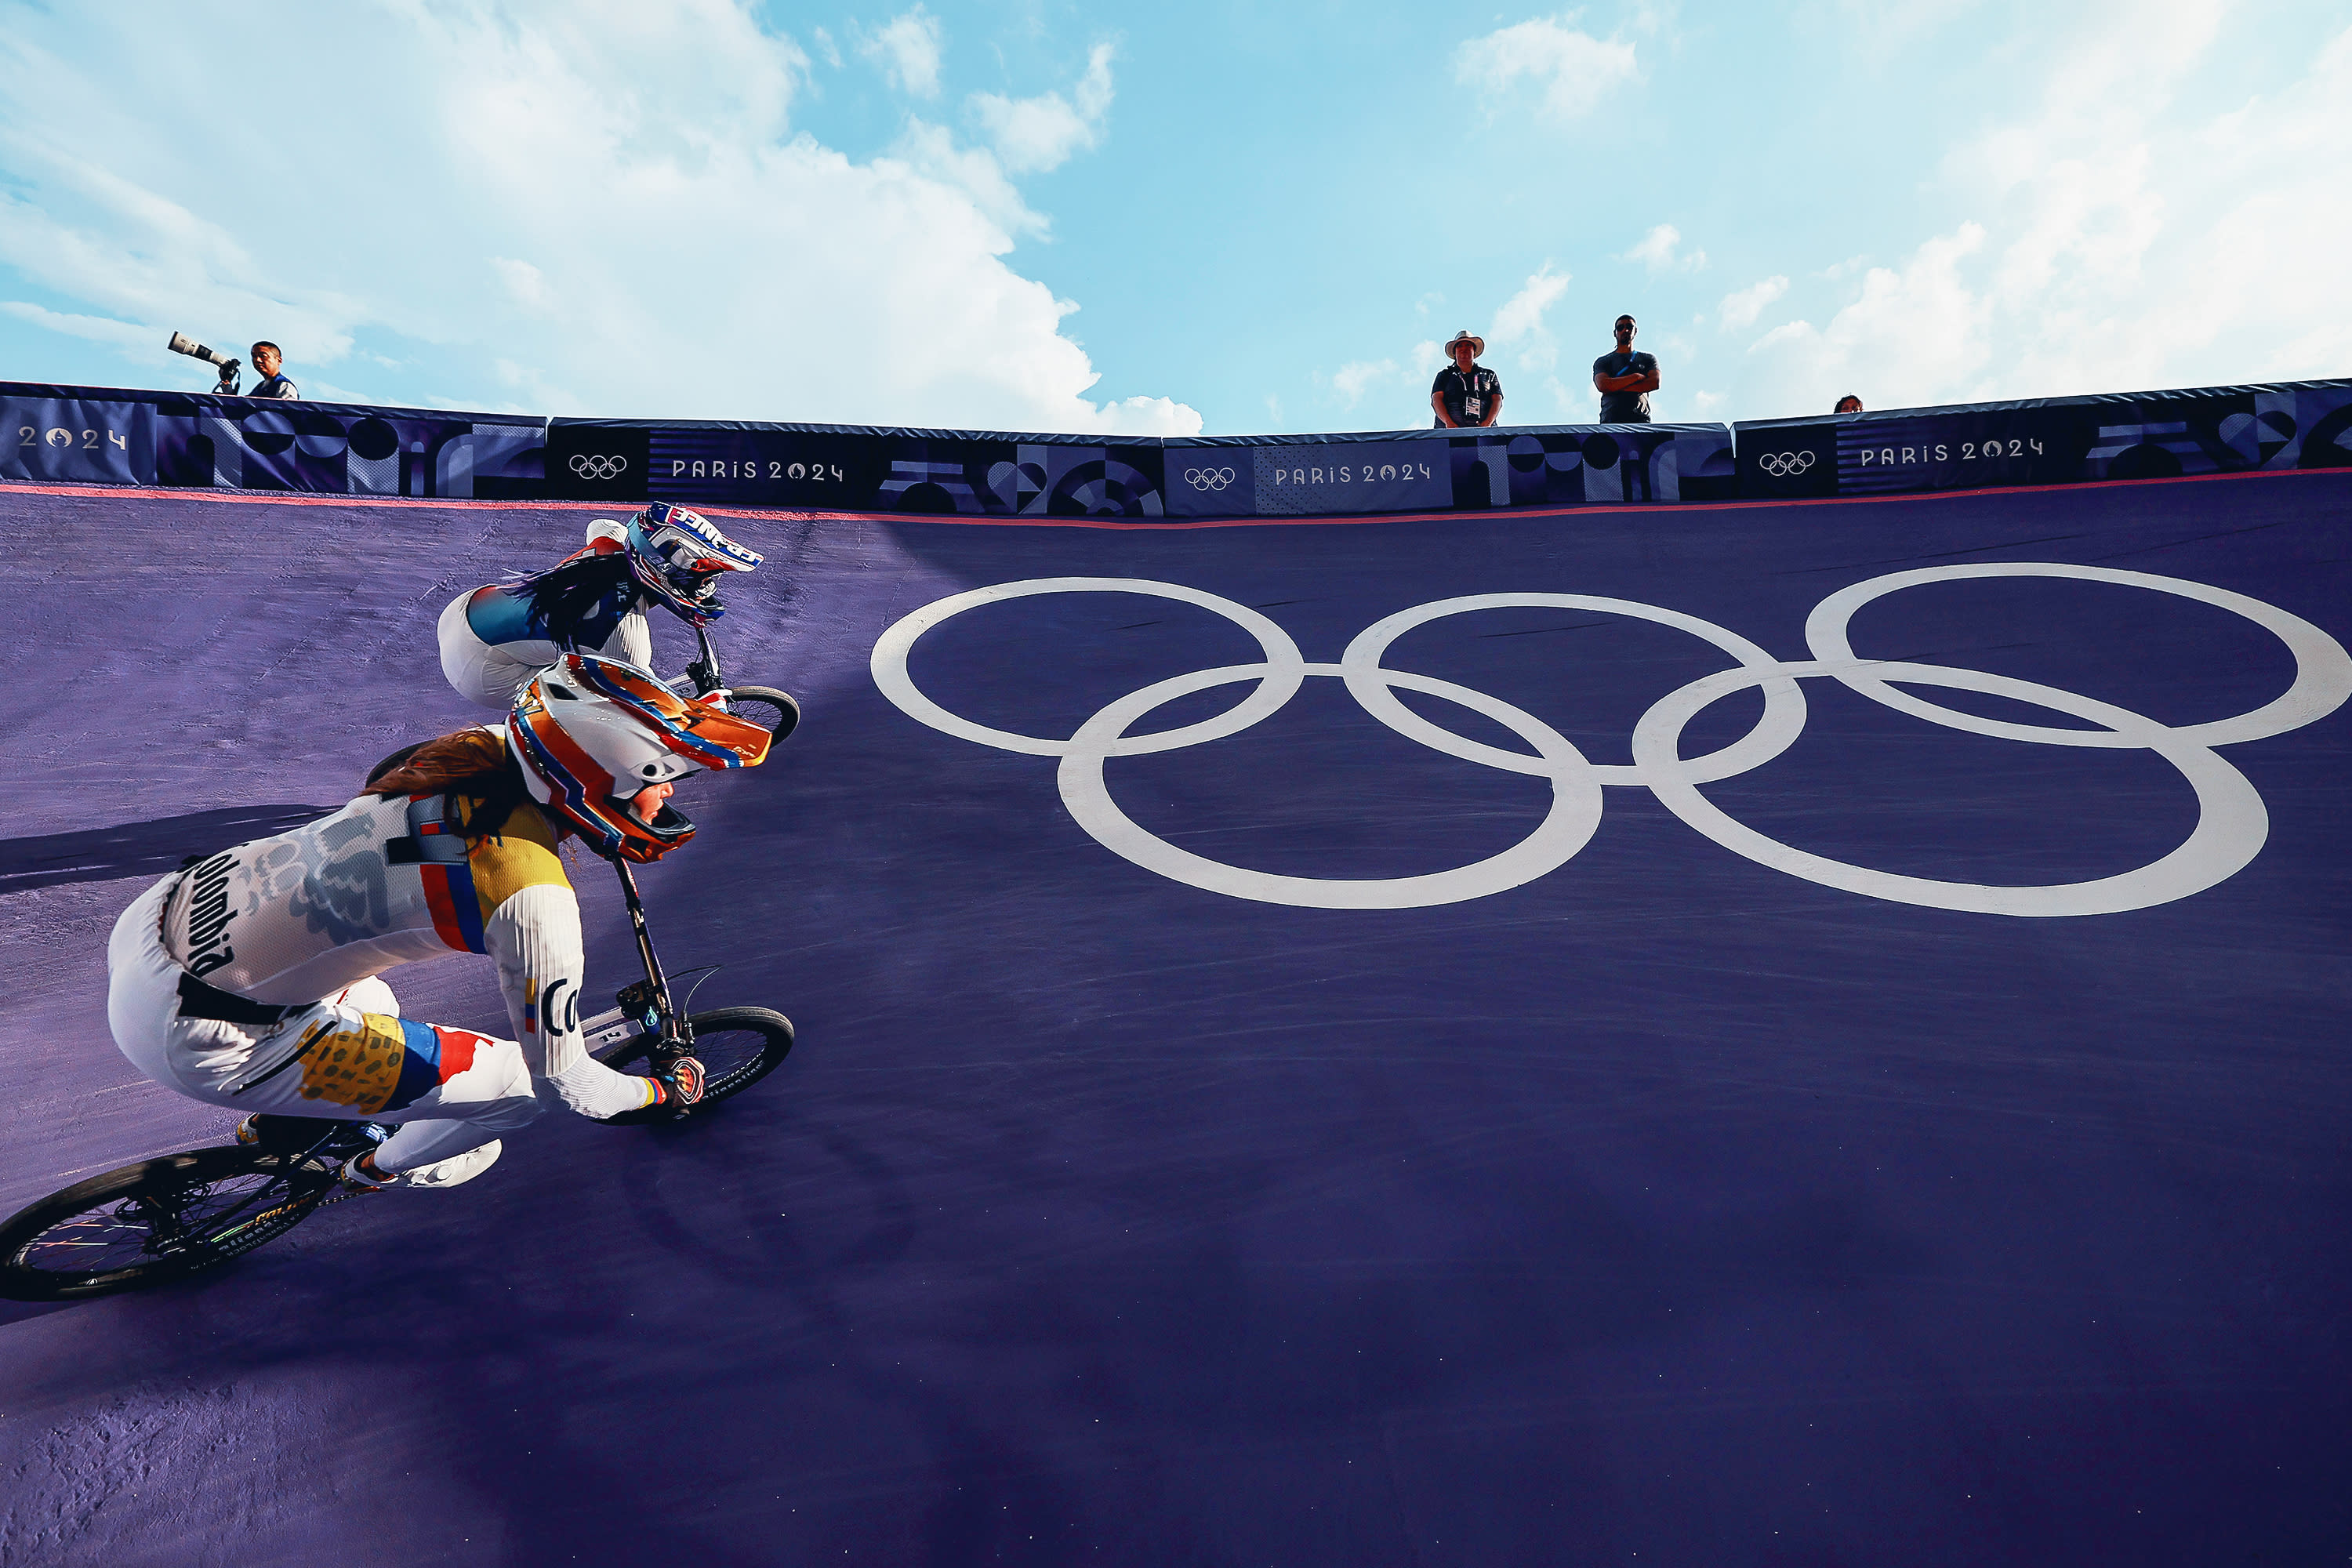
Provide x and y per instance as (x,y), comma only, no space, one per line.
(676,557)
(590,733)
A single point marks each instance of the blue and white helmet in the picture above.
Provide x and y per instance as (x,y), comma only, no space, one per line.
(677,556)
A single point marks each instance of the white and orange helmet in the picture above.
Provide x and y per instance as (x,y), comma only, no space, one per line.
(590,732)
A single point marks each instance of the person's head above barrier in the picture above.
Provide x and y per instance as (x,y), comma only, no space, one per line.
(1624,378)
(1466,394)
(1849,404)
(270,363)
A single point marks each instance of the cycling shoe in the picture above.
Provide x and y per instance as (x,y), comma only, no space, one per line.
(453,1172)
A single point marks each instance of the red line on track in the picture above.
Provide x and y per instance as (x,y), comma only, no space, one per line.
(265,498)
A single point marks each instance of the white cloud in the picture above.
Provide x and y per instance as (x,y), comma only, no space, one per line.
(1659,251)
(1519,324)
(620,210)
(1914,336)
(2124,232)
(524,281)
(908,47)
(94,328)
(1796,331)
(1575,70)
(1355,378)
(932,150)
(1033,134)
(1741,308)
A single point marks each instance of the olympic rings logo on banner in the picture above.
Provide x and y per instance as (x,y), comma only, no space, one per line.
(2232,825)
(596,467)
(1208,479)
(1785,465)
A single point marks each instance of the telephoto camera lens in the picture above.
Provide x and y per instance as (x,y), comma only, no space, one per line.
(182,343)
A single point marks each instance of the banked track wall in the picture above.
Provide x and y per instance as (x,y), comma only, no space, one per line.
(1437,1042)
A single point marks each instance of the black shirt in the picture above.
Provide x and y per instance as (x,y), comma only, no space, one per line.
(1468,396)
(1624,407)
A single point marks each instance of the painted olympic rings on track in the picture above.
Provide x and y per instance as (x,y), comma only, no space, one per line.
(2231,827)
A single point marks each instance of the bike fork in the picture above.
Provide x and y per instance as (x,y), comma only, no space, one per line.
(676,1036)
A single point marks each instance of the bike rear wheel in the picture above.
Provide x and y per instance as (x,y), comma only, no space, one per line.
(737,1046)
(158,1220)
(769,708)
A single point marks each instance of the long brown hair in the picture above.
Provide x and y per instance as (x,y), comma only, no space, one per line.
(469,764)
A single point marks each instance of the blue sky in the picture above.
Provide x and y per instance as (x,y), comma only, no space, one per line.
(1161,219)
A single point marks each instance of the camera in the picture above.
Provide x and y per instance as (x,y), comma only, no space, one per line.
(231,367)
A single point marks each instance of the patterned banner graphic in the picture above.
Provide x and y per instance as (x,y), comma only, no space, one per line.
(132,437)
(2073,440)
(96,435)
(847,470)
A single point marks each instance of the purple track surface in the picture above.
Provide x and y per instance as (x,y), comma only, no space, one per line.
(1667,1204)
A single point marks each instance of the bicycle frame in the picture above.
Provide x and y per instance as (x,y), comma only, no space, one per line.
(646,1003)
(704,671)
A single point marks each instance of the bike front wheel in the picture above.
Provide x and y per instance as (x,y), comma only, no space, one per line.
(158,1220)
(771,709)
(737,1046)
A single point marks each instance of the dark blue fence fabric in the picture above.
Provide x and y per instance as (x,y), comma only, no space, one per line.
(2043,441)
(105,435)
(851,468)
(978,474)
(71,435)
(100,435)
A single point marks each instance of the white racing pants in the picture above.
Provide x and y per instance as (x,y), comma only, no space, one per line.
(484,675)
(348,1056)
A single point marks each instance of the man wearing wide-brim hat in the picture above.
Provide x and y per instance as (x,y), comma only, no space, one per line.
(1467,394)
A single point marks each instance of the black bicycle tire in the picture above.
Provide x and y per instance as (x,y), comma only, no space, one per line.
(19,1283)
(785,704)
(719,1020)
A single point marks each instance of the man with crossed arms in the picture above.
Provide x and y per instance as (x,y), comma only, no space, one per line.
(1625,379)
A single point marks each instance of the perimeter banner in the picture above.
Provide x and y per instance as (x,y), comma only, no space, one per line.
(2068,440)
(851,469)
(106,436)
(74,439)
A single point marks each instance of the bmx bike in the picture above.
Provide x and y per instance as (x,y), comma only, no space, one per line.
(166,1218)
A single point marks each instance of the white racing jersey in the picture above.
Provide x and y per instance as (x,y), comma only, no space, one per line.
(491,645)
(387,881)
(614,628)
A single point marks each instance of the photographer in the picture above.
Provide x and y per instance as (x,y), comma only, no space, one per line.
(267,361)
